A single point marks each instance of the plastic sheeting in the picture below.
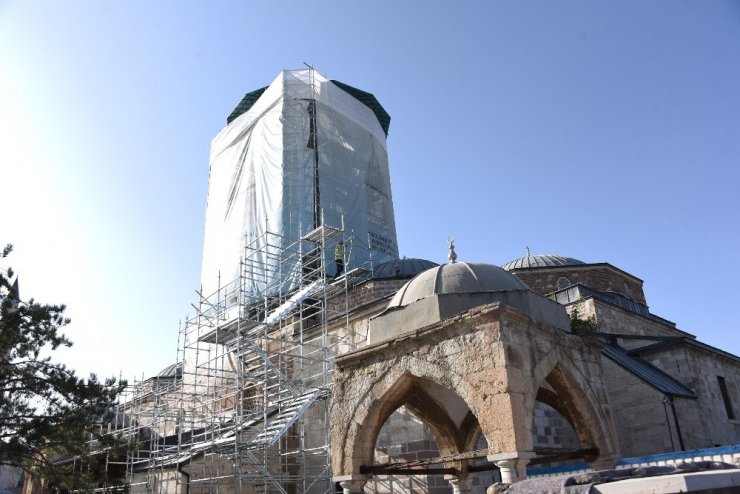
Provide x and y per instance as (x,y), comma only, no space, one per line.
(263,168)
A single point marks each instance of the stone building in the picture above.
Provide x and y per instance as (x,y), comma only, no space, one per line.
(399,375)
(668,391)
(643,385)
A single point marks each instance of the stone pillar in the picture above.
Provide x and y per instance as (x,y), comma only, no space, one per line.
(512,469)
(460,484)
(351,484)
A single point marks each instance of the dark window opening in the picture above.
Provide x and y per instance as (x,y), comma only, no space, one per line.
(726,397)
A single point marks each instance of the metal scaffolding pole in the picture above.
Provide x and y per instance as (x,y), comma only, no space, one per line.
(246,409)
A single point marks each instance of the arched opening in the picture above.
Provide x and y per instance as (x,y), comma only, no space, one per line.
(406,438)
(553,437)
(551,430)
(567,426)
(429,423)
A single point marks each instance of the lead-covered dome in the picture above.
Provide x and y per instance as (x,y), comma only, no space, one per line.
(541,261)
(402,268)
(173,371)
(444,291)
(457,278)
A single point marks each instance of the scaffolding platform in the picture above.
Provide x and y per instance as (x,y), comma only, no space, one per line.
(322,234)
(227,332)
(257,359)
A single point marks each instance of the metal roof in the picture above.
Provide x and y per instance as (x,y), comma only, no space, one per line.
(245,104)
(402,268)
(578,292)
(646,372)
(173,371)
(367,99)
(541,261)
(456,278)
(682,340)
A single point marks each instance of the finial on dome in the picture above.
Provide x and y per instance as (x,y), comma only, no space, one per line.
(451,256)
(529,254)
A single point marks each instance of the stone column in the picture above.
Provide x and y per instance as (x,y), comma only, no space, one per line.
(512,469)
(460,484)
(351,484)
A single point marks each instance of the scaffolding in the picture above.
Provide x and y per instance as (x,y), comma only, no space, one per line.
(246,408)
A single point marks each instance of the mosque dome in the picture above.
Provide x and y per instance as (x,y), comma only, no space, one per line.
(541,261)
(173,371)
(444,291)
(456,278)
(402,268)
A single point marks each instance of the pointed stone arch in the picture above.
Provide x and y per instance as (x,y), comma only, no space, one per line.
(390,391)
(445,431)
(494,358)
(577,393)
(385,393)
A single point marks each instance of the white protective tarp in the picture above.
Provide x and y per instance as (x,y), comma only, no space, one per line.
(262,177)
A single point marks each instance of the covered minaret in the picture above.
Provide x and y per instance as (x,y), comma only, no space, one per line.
(300,153)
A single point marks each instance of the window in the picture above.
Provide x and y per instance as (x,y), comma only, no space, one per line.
(726,397)
(563,283)
(627,290)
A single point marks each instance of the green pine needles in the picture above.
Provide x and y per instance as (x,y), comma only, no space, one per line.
(47,412)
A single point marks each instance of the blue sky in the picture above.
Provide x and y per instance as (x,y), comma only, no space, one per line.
(605,131)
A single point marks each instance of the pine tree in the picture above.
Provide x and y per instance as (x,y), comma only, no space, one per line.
(47,412)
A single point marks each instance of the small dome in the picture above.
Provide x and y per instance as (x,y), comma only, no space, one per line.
(402,268)
(461,277)
(540,261)
(173,371)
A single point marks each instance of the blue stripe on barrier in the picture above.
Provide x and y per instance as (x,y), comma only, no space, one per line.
(722,450)
(636,460)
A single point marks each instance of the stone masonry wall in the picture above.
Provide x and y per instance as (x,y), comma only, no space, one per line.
(602,278)
(364,293)
(610,319)
(720,428)
(639,409)
(638,412)
(491,361)
(704,422)
(551,430)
